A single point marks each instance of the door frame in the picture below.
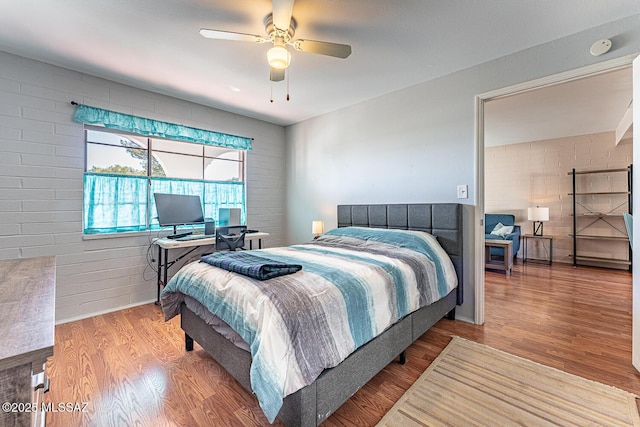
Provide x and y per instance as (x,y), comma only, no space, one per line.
(567,76)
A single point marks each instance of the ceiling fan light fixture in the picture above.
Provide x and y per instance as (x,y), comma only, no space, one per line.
(278,57)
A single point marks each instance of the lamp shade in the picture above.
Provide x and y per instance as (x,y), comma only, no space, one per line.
(317,227)
(538,214)
(278,57)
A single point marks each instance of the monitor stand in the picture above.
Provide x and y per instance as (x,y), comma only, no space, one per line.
(175,234)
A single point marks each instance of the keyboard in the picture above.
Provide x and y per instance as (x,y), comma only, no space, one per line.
(195,237)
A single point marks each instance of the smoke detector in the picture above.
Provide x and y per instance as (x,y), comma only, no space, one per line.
(600,47)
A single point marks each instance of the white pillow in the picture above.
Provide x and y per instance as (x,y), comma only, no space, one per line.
(502,230)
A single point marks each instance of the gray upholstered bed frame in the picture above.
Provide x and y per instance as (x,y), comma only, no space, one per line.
(311,405)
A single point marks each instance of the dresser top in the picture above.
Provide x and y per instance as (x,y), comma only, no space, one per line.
(27,307)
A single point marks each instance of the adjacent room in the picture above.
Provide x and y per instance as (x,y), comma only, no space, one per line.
(280,213)
(529,168)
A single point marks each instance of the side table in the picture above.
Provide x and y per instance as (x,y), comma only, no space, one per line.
(525,245)
(506,264)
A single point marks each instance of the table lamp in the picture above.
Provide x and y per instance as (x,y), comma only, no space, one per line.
(538,215)
(317,228)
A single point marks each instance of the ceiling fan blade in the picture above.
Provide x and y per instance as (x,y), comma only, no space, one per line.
(276,75)
(323,48)
(228,35)
(282,10)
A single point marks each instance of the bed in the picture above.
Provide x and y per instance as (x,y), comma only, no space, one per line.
(320,395)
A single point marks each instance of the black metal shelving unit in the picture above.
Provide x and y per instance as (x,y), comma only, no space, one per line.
(579,229)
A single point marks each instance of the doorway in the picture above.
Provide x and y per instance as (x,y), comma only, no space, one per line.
(569,76)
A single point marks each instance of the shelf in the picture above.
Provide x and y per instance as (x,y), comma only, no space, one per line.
(604,260)
(592,237)
(599,171)
(599,215)
(600,193)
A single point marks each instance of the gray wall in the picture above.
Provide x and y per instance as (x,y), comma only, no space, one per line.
(41,167)
(418,144)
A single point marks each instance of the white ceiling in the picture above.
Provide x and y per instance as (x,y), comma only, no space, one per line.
(580,107)
(155,45)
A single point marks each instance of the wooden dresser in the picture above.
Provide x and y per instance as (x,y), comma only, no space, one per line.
(27,317)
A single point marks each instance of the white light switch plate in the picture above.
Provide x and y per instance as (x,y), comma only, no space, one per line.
(463,192)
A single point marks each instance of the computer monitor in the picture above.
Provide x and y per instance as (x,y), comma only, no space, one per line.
(230,238)
(178,209)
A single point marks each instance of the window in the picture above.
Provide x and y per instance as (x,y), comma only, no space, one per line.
(122,171)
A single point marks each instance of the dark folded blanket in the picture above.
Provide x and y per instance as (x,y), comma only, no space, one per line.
(250,265)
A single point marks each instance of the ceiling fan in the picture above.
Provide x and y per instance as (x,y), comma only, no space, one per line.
(280,28)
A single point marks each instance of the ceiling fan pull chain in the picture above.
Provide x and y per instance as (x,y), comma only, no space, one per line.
(288,73)
(271,86)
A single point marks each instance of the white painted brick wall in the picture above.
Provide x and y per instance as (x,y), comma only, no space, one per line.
(518,176)
(41,171)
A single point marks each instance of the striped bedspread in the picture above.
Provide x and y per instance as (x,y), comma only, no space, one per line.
(354,284)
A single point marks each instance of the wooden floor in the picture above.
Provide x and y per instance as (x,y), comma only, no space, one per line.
(131,369)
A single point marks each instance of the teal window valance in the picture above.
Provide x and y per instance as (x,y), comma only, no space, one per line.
(150,127)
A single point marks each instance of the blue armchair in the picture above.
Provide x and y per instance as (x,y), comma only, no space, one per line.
(490,221)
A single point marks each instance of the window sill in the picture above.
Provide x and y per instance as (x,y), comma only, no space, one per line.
(116,235)
(153,233)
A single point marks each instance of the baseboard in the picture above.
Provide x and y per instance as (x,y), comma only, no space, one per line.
(464,319)
(98,313)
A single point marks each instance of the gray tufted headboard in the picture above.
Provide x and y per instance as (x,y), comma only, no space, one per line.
(443,220)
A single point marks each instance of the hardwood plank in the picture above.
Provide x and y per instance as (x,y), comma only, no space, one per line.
(132,368)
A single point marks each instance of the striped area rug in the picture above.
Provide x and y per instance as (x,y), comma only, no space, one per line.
(470,384)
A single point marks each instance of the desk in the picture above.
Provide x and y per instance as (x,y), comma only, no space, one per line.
(526,238)
(165,244)
(506,264)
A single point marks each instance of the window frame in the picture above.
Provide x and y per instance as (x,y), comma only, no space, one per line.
(149,177)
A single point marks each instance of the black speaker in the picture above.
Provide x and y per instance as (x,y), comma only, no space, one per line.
(209,228)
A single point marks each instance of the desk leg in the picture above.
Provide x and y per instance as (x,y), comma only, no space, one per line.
(158,282)
(259,244)
(166,270)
